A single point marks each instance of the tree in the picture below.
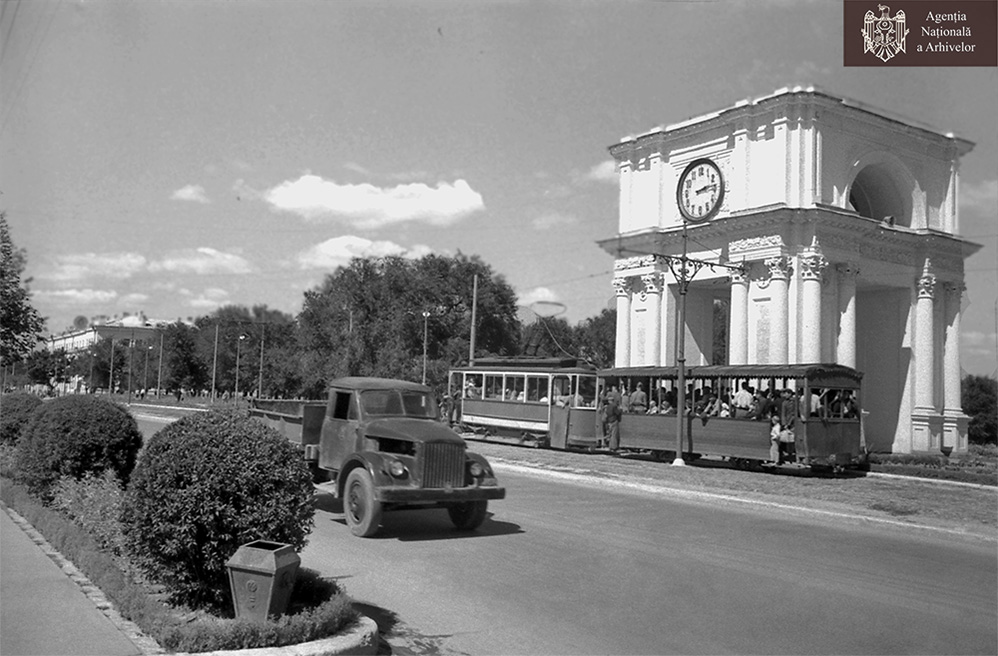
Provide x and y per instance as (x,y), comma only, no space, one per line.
(979,399)
(20,324)
(185,368)
(596,338)
(549,337)
(367,319)
(49,368)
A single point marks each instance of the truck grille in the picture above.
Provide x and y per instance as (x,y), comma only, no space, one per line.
(441,465)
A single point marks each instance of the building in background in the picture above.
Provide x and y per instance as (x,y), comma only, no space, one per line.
(846,222)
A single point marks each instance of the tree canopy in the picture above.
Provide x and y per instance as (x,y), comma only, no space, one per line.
(980,403)
(369,318)
(20,324)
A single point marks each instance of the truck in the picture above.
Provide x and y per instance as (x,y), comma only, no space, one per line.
(378,445)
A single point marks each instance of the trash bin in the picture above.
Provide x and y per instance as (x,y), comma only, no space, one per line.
(261,577)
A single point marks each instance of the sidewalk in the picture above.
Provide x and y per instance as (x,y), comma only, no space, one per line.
(43,611)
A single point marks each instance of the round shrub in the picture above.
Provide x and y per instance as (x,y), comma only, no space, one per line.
(204,486)
(74,436)
(15,410)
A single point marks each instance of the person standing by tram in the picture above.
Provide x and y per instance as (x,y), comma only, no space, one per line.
(612,412)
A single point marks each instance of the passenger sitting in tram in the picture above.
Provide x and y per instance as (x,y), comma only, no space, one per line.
(638,401)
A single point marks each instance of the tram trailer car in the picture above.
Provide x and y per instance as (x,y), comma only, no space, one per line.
(827,432)
(546,402)
(379,444)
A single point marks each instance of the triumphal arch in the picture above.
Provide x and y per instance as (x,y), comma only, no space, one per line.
(844,223)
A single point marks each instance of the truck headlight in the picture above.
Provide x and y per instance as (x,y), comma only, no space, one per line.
(476,469)
(396,469)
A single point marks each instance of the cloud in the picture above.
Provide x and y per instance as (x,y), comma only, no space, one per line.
(134,299)
(552,220)
(77,296)
(202,261)
(86,265)
(340,250)
(368,206)
(605,171)
(210,299)
(193,193)
(979,197)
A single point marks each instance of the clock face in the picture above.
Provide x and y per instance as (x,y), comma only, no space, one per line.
(700,191)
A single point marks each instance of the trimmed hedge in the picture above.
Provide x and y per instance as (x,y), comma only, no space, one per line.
(318,607)
(204,486)
(15,410)
(75,436)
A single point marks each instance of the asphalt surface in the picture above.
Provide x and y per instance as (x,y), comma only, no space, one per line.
(591,566)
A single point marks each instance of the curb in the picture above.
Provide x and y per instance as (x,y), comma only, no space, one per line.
(360,639)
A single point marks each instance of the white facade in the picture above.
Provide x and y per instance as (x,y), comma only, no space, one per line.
(846,221)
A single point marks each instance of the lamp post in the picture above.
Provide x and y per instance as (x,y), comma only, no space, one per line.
(214,364)
(259,386)
(131,351)
(145,374)
(238,342)
(159,377)
(426,318)
(699,196)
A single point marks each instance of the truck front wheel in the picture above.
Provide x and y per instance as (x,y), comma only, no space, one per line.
(469,515)
(362,510)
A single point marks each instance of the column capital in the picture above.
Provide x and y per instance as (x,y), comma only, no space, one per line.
(739,276)
(812,265)
(779,267)
(653,282)
(926,285)
(621,286)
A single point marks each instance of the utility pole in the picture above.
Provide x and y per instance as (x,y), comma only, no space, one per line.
(474,317)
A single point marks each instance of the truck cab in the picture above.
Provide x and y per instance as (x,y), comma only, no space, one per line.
(383,447)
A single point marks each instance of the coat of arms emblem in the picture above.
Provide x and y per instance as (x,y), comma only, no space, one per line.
(882,35)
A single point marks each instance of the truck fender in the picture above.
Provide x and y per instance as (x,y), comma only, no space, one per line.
(372,461)
(480,459)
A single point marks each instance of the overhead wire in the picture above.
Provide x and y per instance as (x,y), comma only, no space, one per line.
(23,78)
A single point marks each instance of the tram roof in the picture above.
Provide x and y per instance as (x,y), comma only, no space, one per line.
(561,365)
(815,370)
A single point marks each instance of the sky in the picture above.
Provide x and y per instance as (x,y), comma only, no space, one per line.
(174,157)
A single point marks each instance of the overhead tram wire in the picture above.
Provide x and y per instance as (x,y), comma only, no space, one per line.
(10,29)
(23,79)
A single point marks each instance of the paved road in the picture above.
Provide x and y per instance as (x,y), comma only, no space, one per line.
(589,567)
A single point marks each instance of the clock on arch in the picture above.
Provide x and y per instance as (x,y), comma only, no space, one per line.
(700,191)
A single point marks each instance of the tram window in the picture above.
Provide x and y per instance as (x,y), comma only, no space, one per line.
(587,390)
(514,388)
(493,387)
(537,388)
(472,388)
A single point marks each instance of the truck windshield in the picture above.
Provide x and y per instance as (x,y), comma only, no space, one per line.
(396,403)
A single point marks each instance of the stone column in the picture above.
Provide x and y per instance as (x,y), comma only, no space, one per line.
(812,264)
(622,288)
(738,318)
(925,341)
(926,423)
(845,351)
(779,272)
(954,421)
(653,284)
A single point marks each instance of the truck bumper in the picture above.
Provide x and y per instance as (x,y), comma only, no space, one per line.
(438,495)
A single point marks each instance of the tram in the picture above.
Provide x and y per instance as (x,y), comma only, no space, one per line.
(729,408)
(544,402)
